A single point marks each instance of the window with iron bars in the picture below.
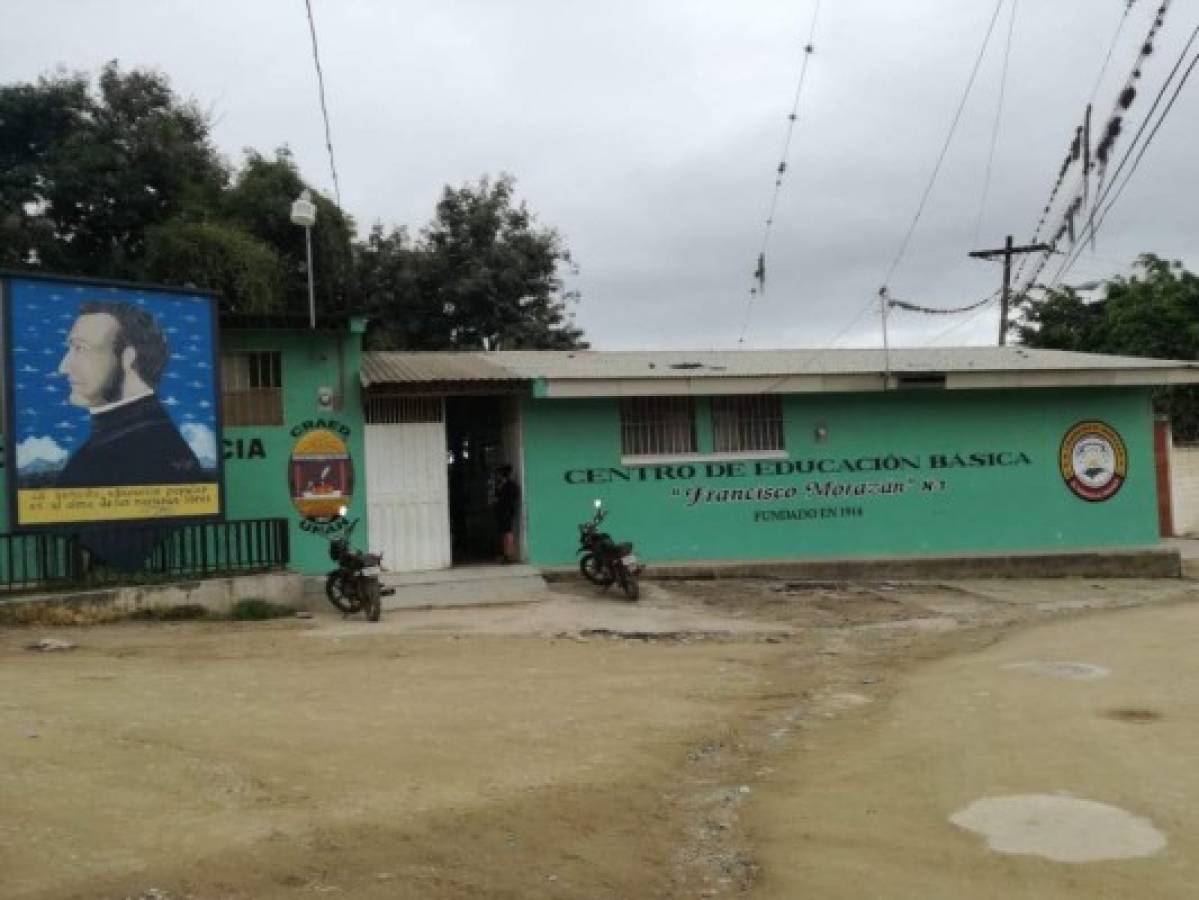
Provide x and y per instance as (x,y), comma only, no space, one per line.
(747,424)
(252,388)
(657,426)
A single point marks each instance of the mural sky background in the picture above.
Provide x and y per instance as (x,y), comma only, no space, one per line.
(46,427)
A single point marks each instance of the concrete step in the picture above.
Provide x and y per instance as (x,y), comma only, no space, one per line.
(465,586)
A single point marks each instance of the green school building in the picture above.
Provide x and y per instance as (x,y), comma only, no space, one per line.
(770,455)
(698,456)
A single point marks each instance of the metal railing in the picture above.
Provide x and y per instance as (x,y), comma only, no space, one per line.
(141,554)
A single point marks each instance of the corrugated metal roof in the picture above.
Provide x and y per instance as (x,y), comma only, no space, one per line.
(529,365)
(414,368)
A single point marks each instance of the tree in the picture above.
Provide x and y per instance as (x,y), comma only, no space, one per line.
(214,256)
(259,203)
(1153,313)
(85,176)
(125,183)
(482,275)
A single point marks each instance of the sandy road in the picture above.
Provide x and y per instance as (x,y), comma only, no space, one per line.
(522,751)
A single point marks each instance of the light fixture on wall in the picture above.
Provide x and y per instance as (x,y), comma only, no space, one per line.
(324,397)
(821,433)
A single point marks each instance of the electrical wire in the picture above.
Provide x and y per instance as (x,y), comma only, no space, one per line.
(1111,132)
(1070,156)
(781,170)
(903,247)
(1094,226)
(320,80)
(964,322)
(1007,54)
(1111,49)
(907,238)
(941,311)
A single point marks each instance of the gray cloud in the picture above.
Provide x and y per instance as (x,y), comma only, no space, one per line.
(648,134)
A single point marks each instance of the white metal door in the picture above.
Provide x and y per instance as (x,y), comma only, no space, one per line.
(407,494)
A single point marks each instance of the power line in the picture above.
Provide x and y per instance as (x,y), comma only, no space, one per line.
(1007,53)
(1111,132)
(1095,225)
(903,247)
(780,171)
(1074,153)
(964,322)
(320,80)
(1111,49)
(940,310)
(1091,226)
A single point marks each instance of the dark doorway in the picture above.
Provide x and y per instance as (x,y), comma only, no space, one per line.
(474,439)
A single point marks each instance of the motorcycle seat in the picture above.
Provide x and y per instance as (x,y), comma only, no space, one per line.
(624,549)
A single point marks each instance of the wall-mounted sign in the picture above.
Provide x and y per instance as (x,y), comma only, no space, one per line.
(321,472)
(112,410)
(1093,460)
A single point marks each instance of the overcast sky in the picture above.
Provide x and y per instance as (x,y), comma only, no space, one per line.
(648,131)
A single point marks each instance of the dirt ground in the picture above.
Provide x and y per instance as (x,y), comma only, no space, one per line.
(717,739)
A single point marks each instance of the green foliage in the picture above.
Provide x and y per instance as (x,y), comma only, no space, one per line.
(87,175)
(123,181)
(1153,313)
(258,610)
(259,203)
(482,275)
(217,257)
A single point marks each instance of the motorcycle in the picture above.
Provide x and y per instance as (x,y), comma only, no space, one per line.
(604,561)
(354,585)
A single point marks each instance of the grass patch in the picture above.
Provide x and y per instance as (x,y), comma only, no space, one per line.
(182,612)
(257,610)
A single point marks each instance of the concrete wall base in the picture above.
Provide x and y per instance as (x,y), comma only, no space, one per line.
(1150,562)
(215,594)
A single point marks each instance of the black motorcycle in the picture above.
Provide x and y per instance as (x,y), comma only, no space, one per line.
(604,561)
(354,585)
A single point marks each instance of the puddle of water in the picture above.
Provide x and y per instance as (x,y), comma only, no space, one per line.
(1075,671)
(1062,829)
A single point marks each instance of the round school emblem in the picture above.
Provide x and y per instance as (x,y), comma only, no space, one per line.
(1093,460)
(321,476)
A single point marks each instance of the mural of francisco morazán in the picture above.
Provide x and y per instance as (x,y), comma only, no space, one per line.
(115,358)
(111,388)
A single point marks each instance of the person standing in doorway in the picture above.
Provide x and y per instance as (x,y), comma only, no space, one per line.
(507,501)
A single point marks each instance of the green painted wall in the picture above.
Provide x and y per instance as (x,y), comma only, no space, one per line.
(1012,498)
(257,458)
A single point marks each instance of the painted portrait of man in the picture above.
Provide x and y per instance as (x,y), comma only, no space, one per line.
(114,404)
(114,361)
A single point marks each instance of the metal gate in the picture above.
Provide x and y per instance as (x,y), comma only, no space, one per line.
(406,489)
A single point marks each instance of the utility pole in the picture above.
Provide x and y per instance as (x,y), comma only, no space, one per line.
(1007,252)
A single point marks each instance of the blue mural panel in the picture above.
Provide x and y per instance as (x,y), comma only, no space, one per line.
(112,412)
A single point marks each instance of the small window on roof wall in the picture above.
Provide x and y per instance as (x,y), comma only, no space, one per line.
(252,388)
(747,424)
(657,426)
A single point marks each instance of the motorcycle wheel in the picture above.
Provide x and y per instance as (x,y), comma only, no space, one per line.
(374,601)
(591,568)
(336,592)
(628,583)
